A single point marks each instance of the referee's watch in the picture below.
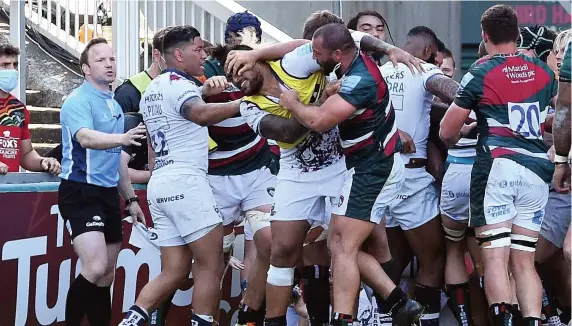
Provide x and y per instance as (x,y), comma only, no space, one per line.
(131,200)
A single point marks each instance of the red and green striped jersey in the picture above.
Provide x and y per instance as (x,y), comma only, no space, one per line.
(239,149)
(370,133)
(510,94)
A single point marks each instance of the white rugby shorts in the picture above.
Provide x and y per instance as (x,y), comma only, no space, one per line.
(455,192)
(235,194)
(511,192)
(183,208)
(303,196)
(417,202)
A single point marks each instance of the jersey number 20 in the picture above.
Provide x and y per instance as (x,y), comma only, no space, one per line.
(525,119)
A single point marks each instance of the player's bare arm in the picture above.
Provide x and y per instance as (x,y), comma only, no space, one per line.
(318,118)
(443,87)
(281,129)
(372,44)
(206,114)
(239,61)
(438,110)
(561,124)
(452,124)
(561,131)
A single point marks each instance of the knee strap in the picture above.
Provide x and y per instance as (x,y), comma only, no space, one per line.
(228,242)
(278,276)
(523,242)
(454,235)
(257,220)
(494,238)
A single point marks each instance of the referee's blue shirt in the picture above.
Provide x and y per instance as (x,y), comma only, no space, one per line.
(88,107)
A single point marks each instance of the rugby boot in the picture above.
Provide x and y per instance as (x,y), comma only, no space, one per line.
(134,317)
(408,314)
(198,321)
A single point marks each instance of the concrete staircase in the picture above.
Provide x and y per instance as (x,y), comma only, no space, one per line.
(44,126)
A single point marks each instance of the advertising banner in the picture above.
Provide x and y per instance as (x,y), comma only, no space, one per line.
(38,264)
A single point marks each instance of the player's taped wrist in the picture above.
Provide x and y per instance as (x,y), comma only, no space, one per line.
(560,159)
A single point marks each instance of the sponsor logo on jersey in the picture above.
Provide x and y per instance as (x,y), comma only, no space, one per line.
(170,199)
(519,73)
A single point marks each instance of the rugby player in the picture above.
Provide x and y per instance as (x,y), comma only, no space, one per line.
(454,208)
(509,93)
(374,173)
(536,41)
(239,171)
(261,74)
(181,202)
(374,24)
(415,212)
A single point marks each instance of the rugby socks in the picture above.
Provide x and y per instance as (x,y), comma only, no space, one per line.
(550,315)
(501,314)
(316,294)
(516,314)
(565,315)
(459,303)
(531,321)
(275,321)
(341,319)
(249,316)
(136,316)
(430,298)
(201,320)
(79,298)
(159,316)
(392,270)
(99,311)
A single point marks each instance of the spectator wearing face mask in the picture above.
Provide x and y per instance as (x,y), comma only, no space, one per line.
(15,142)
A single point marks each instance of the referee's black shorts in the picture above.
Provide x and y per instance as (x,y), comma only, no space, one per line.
(87,208)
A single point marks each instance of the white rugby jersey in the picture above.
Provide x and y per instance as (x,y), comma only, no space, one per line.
(465,147)
(411,101)
(180,145)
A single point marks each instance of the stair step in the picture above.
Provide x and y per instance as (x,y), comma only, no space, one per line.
(43,148)
(46,133)
(41,115)
(33,97)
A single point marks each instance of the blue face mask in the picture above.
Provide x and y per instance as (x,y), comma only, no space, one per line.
(8,80)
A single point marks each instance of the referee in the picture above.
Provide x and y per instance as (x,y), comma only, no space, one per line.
(88,197)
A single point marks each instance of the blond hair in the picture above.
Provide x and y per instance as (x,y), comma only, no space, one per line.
(561,40)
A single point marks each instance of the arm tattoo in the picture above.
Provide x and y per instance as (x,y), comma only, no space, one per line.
(188,106)
(372,44)
(443,87)
(281,129)
(561,124)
